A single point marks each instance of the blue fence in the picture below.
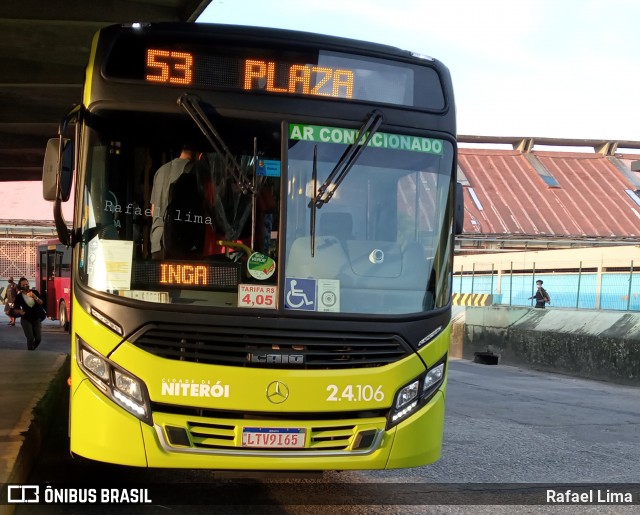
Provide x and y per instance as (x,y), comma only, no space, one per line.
(616,290)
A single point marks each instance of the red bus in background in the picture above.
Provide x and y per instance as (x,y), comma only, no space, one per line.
(53,280)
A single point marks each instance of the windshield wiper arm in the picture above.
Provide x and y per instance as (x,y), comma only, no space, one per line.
(312,218)
(191,104)
(348,159)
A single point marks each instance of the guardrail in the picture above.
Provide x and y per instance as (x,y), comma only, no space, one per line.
(602,345)
(472,299)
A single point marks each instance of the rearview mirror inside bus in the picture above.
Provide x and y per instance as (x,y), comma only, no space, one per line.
(53,166)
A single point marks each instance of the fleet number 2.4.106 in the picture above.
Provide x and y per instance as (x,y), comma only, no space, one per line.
(355,392)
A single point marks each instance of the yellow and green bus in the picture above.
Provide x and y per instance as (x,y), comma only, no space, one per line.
(296,314)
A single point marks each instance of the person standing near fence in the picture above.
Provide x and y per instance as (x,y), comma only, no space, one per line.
(541,296)
(9,297)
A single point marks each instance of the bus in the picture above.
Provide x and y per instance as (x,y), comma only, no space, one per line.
(304,321)
(53,280)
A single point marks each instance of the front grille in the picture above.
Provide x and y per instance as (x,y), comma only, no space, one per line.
(274,349)
(213,436)
(191,412)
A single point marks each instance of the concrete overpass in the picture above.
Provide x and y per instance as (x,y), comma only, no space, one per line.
(44,50)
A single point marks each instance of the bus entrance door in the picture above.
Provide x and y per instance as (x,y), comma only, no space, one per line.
(47,277)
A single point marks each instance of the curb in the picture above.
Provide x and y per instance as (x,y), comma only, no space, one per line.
(31,444)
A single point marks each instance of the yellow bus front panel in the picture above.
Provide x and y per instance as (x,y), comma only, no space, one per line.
(112,435)
(202,415)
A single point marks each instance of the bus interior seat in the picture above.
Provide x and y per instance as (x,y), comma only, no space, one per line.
(329,261)
(339,225)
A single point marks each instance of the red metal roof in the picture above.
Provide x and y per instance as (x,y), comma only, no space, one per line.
(590,200)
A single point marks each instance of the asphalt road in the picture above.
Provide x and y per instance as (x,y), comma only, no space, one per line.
(506,428)
(54,339)
(505,424)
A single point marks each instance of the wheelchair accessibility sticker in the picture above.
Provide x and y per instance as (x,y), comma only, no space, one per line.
(312,294)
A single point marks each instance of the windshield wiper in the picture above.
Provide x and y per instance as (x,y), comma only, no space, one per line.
(322,195)
(348,159)
(191,104)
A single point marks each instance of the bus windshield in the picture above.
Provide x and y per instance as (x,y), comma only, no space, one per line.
(375,241)
(214,236)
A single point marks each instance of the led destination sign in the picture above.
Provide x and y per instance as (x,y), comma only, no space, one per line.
(181,274)
(177,68)
(332,82)
(313,73)
(190,275)
(169,67)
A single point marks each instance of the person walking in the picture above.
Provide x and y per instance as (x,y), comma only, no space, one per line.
(29,306)
(9,298)
(541,296)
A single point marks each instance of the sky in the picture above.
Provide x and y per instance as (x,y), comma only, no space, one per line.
(522,68)
(525,68)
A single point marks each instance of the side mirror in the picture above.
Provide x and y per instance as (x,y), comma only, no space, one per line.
(57,172)
(458,215)
(66,170)
(54,166)
(50,170)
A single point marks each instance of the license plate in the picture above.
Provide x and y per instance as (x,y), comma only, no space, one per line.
(273,437)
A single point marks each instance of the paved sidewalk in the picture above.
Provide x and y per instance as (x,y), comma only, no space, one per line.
(31,383)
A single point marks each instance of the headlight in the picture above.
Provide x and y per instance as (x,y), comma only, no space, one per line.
(128,385)
(95,364)
(416,394)
(433,377)
(123,388)
(407,394)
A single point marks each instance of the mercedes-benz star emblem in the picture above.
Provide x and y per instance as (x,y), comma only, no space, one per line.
(277,392)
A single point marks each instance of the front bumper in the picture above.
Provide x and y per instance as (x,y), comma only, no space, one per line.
(103,431)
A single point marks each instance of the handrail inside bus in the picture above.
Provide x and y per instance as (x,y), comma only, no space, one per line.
(312,218)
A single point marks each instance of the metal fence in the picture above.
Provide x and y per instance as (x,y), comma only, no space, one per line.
(580,286)
(18,257)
